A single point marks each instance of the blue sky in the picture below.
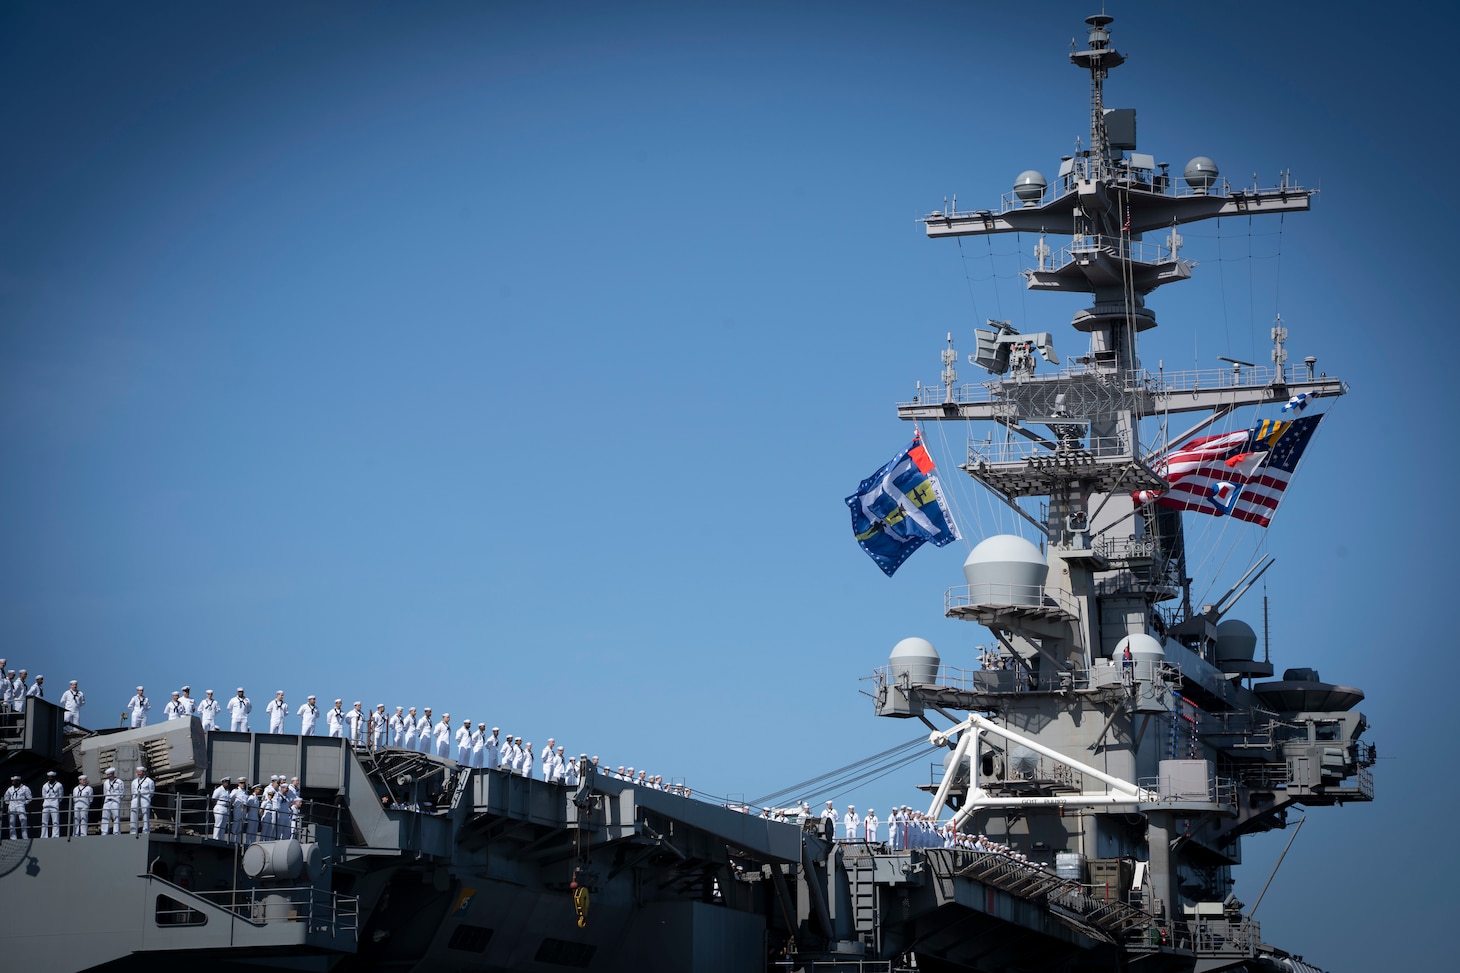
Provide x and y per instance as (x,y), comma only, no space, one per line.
(514,359)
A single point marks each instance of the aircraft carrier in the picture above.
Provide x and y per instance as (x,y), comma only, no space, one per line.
(1111,750)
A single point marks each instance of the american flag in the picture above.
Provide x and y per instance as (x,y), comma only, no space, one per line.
(1242,474)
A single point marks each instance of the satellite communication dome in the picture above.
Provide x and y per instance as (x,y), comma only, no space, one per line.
(1236,641)
(1201,173)
(917,658)
(1029,186)
(1143,648)
(1006,570)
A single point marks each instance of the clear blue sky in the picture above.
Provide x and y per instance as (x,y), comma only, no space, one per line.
(514,359)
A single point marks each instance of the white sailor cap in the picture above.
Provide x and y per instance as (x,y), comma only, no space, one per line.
(828,804)
(495,729)
(15,777)
(80,776)
(240,689)
(278,692)
(176,693)
(357,702)
(226,780)
(110,770)
(141,770)
(139,689)
(187,689)
(50,773)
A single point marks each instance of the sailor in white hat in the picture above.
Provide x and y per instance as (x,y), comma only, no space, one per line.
(355,721)
(443,736)
(143,788)
(492,750)
(71,701)
(479,746)
(335,719)
(189,704)
(410,724)
(138,705)
(208,708)
(81,807)
(112,790)
(51,794)
(238,709)
(238,813)
(175,710)
(17,801)
(277,710)
(379,722)
(850,821)
(398,727)
(423,731)
(463,743)
(308,714)
(223,809)
(869,824)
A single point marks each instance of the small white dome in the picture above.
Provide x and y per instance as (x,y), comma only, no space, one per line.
(1005,569)
(917,658)
(1142,648)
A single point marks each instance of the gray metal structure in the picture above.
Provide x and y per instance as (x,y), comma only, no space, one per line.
(1137,785)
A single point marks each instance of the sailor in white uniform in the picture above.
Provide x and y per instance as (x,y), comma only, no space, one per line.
(139,705)
(223,809)
(190,704)
(51,794)
(112,790)
(463,743)
(479,746)
(174,710)
(71,701)
(277,709)
(308,716)
(283,815)
(208,708)
(238,709)
(237,810)
(81,807)
(870,825)
(443,737)
(560,767)
(423,731)
(143,788)
(491,750)
(398,728)
(380,724)
(336,719)
(355,723)
(17,807)
(409,727)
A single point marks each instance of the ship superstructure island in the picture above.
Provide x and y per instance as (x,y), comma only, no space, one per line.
(1117,726)
(1100,765)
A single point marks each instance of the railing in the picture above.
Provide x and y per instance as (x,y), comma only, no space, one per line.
(192,814)
(997,594)
(1087,452)
(324,911)
(1221,791)
(1118,172)
(1133,381)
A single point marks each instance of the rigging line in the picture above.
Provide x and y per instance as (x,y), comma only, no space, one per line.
(807,784)
(1222,289)
(846,783)
(1251,295)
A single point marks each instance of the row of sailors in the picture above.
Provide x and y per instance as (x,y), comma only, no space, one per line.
(14,689)
(244,814)
(18,797)
(376,729)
